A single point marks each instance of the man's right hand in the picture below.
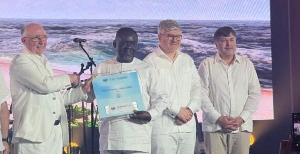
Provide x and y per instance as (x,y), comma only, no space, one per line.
(74,79)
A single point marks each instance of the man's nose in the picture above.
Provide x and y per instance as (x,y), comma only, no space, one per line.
(41,41)
(227,43)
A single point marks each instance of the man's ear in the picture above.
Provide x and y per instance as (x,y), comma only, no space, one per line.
(23,40)
(158,37)
(114,43)
(216,44)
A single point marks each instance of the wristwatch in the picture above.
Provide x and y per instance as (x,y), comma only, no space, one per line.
(5,139)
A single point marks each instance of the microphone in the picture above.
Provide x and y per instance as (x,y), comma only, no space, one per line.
(76,40)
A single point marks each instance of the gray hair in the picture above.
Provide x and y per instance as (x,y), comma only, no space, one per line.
(168,25)
(23,30)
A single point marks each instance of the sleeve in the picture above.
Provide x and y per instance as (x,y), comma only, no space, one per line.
(29,74)
(74,95)
(4,93)
(195,93)
(159,99)
(207,106)
(173,110)
(254,92)
(97,69)
(195,98)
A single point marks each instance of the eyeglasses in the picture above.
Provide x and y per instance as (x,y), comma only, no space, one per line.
(171,37)
(37,38)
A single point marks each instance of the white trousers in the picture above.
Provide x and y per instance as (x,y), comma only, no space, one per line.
(54,145)
(227,143)
(174,143)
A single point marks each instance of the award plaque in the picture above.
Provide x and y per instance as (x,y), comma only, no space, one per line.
(118,94)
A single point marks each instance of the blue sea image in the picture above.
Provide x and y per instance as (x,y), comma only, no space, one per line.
(253,41)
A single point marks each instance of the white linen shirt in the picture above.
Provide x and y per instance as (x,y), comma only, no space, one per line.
(183,87)
(121,133)
(4,96)
(229,90)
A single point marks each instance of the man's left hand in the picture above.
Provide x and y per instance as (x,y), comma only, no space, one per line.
(141,115)
(88,86)
(185,114)
(178,121)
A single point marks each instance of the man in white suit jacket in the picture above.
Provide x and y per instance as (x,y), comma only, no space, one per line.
(40,121)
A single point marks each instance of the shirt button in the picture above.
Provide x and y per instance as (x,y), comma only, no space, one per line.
(53,112)
(54,98)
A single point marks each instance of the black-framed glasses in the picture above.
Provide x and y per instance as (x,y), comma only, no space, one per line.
(171,37)
(37,38)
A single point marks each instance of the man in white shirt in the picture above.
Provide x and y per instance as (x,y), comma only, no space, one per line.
(40,119)
(4,120)
(175,131)
(231,95)
(131,134)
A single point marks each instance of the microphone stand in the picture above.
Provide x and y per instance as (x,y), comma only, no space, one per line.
(91,63)
(70,111)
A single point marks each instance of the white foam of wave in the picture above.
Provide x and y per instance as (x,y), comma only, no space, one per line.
(256,55)
(197,46)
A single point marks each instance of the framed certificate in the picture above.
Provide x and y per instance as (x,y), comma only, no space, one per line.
(118,94)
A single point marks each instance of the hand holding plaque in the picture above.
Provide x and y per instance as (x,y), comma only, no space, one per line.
(141,115)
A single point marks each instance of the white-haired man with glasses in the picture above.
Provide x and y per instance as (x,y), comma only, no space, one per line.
(40,120)
(175,131)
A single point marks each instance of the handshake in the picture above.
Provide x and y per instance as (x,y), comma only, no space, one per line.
(87,87)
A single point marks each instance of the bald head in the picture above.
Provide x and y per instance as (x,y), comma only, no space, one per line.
(30,27)
(126,32)
(34,37)
(126,44)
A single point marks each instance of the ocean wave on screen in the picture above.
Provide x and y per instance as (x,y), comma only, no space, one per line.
(255,54)
(10,39)
(196,45)
(253,40)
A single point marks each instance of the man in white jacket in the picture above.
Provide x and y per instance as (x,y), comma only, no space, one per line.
(175,131)
(131,134)
(40,121)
